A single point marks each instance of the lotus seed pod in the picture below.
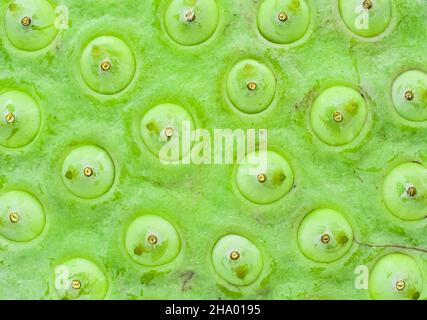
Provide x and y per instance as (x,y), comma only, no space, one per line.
(213,149)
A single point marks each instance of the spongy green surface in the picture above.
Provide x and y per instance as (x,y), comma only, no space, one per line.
(202,200)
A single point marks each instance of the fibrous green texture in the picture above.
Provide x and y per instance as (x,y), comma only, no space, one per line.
(202,202)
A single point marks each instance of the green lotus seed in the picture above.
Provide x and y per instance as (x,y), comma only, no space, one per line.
(88,172)
(191,22)
(366,19)
(338,115)
(409,95)
(283,21)
(396,276)
(251,86)
(80,279)
(152,241)
(21,119)
(237,260)
(107,65)
(324,235)
(22,217)
(264,177)
(30,24)
(165,124)
(405,191)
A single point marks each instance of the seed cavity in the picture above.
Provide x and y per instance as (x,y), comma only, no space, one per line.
(88,172)
(262,177)
(282,16)
(190,15)
(10,117)
(234,255)
(252,86)
(400,285)
(105,65)
(14,217)
(338,117)
(76,284)
(409,95)
(411,191)
(26,21)
(367,4)
(152,239)
(325,238)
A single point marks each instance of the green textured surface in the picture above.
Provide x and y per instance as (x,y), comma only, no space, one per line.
(203,201)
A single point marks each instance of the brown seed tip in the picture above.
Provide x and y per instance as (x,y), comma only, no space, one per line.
(252,86)
(88,172)
(190,15)
(283,17)
(105,65)
(411,191)
(169,132)
(26,21)
(76,284)
(400,285)
(409,95)
(325,238)
(262,177)
(10,117)
(14,217)
(152,239)
(367,4)
(338,117)
(234,255)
